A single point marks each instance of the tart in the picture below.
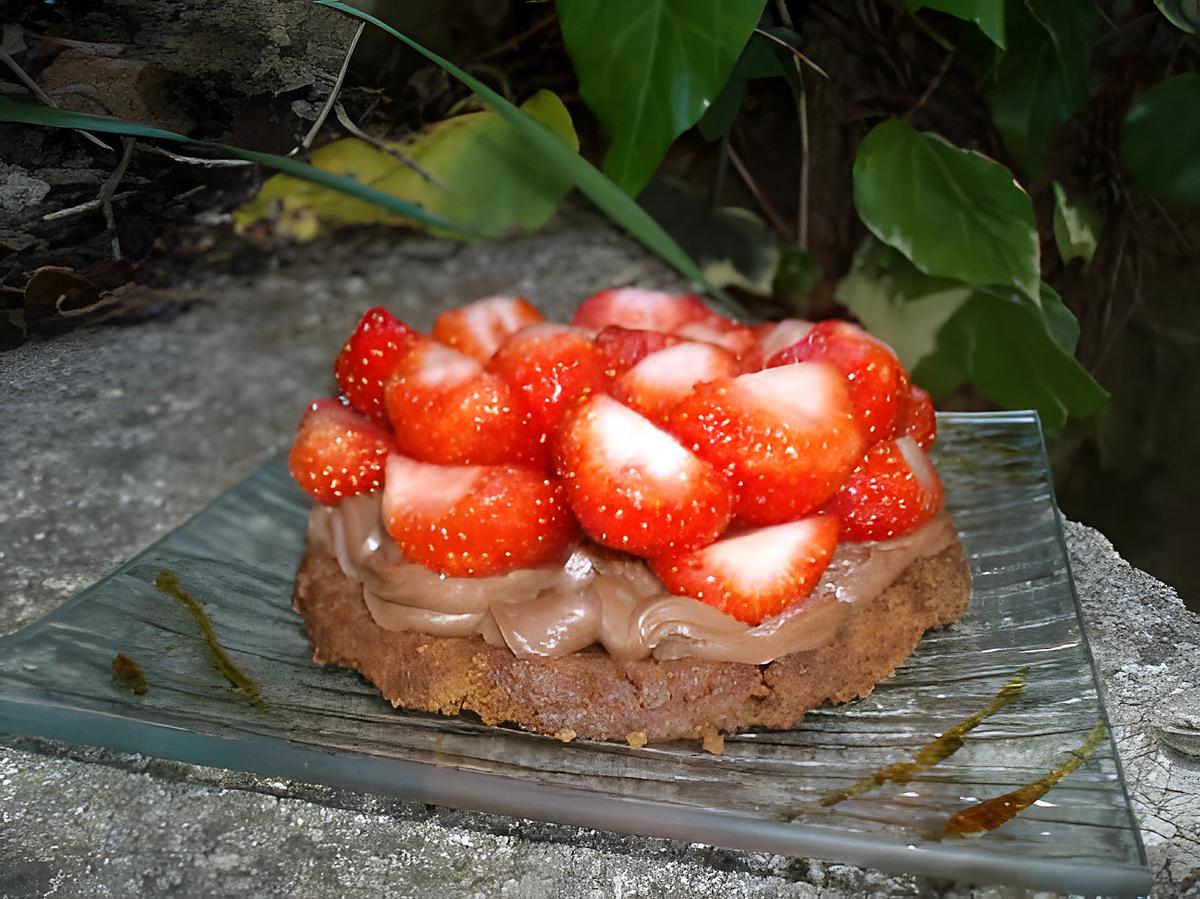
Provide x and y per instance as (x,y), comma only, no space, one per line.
(651,524)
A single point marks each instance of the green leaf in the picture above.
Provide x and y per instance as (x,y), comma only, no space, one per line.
(1061,324)
(987,14)
(61,118)
(649,69)
(1044,77)
(1003,341)
(491,184)
(1183,14)
(954,213)
(1077,225)
(795,277)
(1160,140)
(758,59)
(899,304)
(545,146)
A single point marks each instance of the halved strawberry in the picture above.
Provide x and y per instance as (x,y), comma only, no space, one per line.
(780,335)
(786,437)
(656,384)
(633,486)
(917,418)
(632,307)
(878,382)
(368,357)
(479,328)
(550,368)
(476,520)
(755,574)
(445,408)
(894,490)
(338,452)
(722,332)
(623,348)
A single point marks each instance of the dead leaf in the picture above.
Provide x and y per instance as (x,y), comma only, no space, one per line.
(52,289)
(127,88)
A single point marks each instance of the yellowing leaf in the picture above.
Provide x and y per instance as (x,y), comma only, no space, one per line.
(484,179)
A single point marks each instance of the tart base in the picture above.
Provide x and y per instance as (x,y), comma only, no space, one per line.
(593,696)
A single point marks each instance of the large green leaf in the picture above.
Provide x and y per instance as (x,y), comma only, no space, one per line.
(61,118)
(484,178)
(649,69)
(1077,225)
(549,149)
(1160,140)
(954,213)
(987,14)
(1184,14)
(759,59)
(1044,77)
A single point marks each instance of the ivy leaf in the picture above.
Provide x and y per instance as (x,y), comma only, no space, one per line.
(649,69)
(1183,14)
(1077,225)
(1044,78)
(1013,350)
(987,14)
(954,213)
(759,59)
(1160,140)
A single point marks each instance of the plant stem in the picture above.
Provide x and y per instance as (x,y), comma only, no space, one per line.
(802,114)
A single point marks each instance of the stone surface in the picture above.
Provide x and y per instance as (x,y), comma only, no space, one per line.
(113,436)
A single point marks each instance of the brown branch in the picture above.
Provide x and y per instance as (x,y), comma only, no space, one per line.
(106,194)
(333,94)
(768,209)
(933,85)
(516,39)
(340,112)
(802,115)
(795,51)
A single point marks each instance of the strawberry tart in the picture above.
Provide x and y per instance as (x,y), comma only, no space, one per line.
(653,523)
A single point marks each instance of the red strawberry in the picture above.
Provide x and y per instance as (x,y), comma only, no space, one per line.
(368,357)
(633,486)
(755,574)
(893,491)
(779,335)
(479,328)
(550,368)
(445,408)
(631,307)
(736,338)
(338,453)
(623,348)
(786,437)
(917,418)
(878,382)
(656,384)
(477,520)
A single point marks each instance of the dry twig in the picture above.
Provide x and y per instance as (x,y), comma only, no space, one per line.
(344,119)
(802,113)
(196,160)
(109,187)
(764,204)
(795,51)
(333,94)
(85,207)
(41,96)
(934,83)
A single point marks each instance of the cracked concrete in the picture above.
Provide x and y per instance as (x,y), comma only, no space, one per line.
(115,435)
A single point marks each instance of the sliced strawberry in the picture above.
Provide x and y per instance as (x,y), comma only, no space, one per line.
(779,335)
(631,307)
(368,357)
(893,491)
(755,574)
(917,418)
(445,408)
(633,486)
(786,437)
(338,452)
(623,348)
(479,328)
(655,385)
(878,382)
(550,368)
(476,520)
(729,335)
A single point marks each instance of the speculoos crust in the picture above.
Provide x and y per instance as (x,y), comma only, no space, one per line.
(592,696)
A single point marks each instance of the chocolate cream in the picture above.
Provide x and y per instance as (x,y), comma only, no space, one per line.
(600,597)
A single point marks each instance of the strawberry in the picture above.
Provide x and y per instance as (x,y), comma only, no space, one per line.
(368,357)
(445,408)
(479,328)
(729,335)
(476,520)
(754,574)
(633,486)
(778,335)
(631,307)
(917,418)
(623,348)
(878,382)
(786,437)
(550,368)
(893,491)
(338,452)
(656,384)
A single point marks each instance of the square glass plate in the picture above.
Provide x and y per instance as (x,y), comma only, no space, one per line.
(764,793)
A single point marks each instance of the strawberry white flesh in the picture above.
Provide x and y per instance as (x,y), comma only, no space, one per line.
(784,334)
(656,384)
